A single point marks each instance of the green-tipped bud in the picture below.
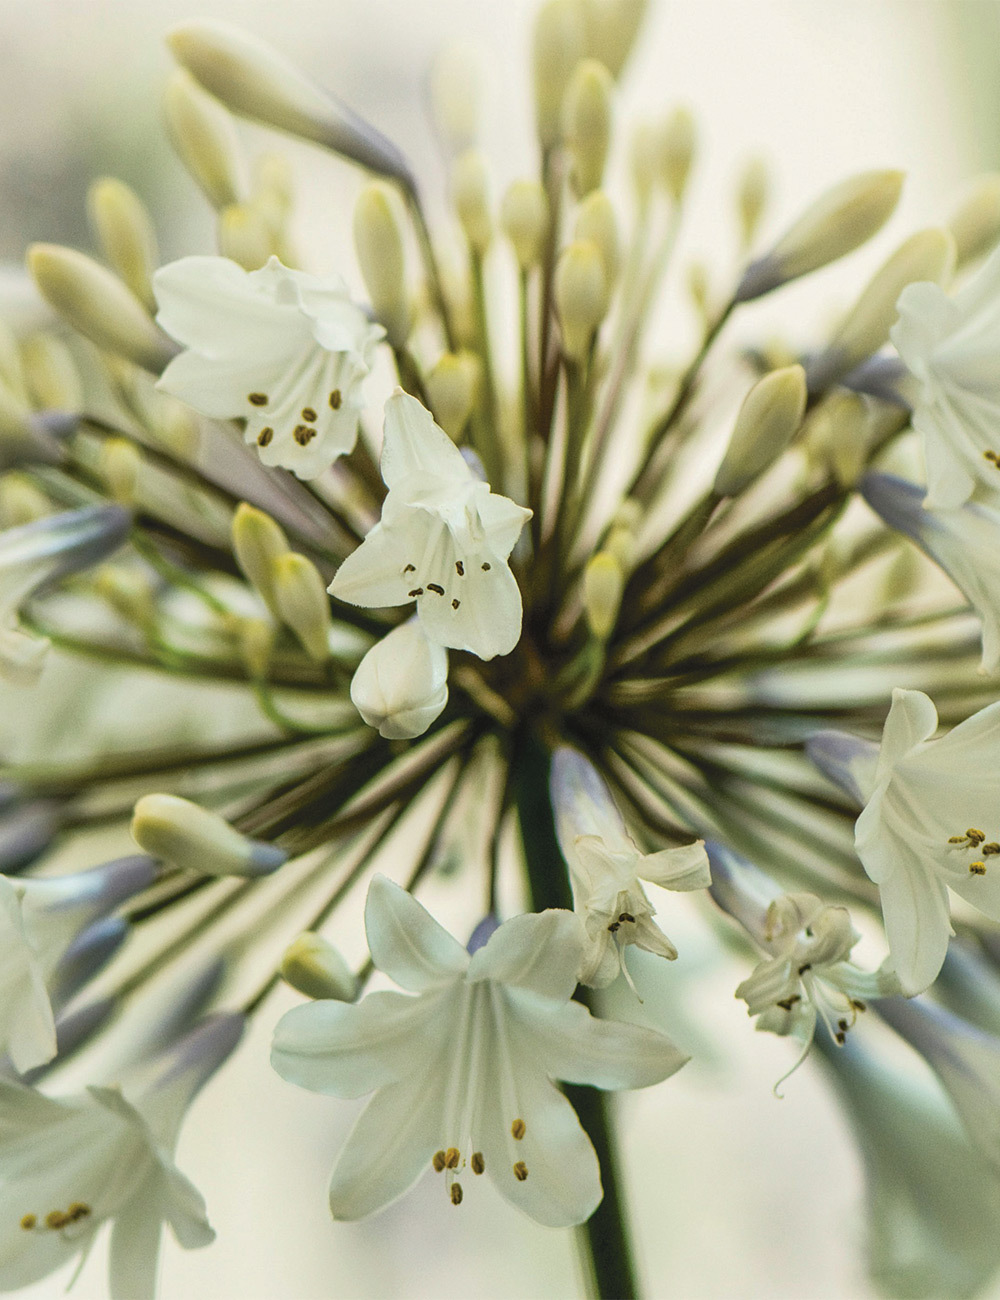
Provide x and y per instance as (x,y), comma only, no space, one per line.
(603,584)
(189,836)
(837,434)
(51,374)
(927,255)
(524,219)
(119,465)
(303,603)
(558,45)
(22,501)
(596,221)
(612,28)
(313,966)
(378,240)
(470,193)
(245,235)
(751,199)
(204,135)
(452,387)
(676,154)
(581,293)
(586,123)
(456,95)
(842,219)
(124,232)
(975,226)
(95,302)
(253,80)
(258,542)
(644,162)
(256,641)
(769,418)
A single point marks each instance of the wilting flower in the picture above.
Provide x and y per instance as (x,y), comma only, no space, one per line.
(462,1073)
(282,349)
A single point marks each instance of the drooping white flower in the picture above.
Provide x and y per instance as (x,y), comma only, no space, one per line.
(606,868)
(401,685)
(952,346)
(462,1073)
(965,542)
(443,541)
(70,1164)
(930,823)
(283,349)
(39,920)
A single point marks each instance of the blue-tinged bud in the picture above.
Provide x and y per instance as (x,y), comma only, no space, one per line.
(89,953)
(483,932)
(848,761)
(26,831)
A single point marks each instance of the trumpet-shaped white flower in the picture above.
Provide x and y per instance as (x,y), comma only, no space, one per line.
(952,347)
(606,868)
(283,349)
(462,1073)
(443,541)
(70,1164)
(39,919)
(931,821)
(401,685)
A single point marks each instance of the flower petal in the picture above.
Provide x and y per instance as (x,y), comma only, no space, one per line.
(487,621)
(407,943)
(917,926)
(414,444)
(540,951)
(684,868)
(212,305)
(372,576)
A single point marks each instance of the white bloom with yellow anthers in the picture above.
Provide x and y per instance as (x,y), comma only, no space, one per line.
(462,1073)
(606,868)
(443,540)
(282,349)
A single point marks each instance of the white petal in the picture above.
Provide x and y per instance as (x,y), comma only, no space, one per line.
(372,576)
(538,951)
(503,520)
(220,388)
(415,444)
(917,925)
(135,1248)
(912,720)
(487,621)
(679,869)
(407,943)
(212,305)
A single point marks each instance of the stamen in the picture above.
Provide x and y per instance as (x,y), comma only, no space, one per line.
(786,1004)
(460,568)
(993,457)
(455,604)
(439,1160)
(518,1129)
(335,399)
(977,868)
(486,568)
(56,1219)
(309,415)
(264,437)
(417,591)
(410,568)
(520,1171)
(78,1210)
(477,1162)
(456,1193)
(974,836)
(452,1157)
(28,1222)
(626,916)
(433,586)
(303,435)
(257,399)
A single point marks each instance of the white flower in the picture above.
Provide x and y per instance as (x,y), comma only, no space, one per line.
(462,1073)
(952,346)
(931,821)
(965,542)
(68,1165)
(605,869)
(401,685)
(283,349)
(443,541)
(39,919)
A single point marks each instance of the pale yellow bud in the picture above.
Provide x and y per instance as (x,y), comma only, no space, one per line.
(975,226)
(768,420)
(22,501)
(12,374)
(836,436)
(524,219)
(752,199)
(621,538)
(272,195)
(129,592)
(119,465)
(927,255)
(378,241)
(842,219)
(581,294)
(596,221)
(124,231)
(189,836)
(313,966)
(257,543)
(558,45)
(94,301)
(470,193)
(204,135)
(612,27)
(603,584)
(456,94)
(586,120)
(452,387)
(176,428)
(256,638)
(51,374)
(303,603)
(644,160)
(245,236)
(677,146)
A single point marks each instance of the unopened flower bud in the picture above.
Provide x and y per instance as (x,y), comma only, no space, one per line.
(558,45)
(677,145)
(378,241)
(401,684)
(769,417)
(581,293)
(452,386)
(119,464)
(927,255)
(842,219)
(586,122)
(186,835)
(836,435)
(273,189)
(524,219)
(21,500)
(51,374)
(975,226)
(596,221)
(94,301)
(456,93)
(257,543)
(612,27)
(303,603)
(204,135)
(129,592)
(245,236)
(256,638)
(644,152)
(752,199)
(603,584)
(470,193)
(313,966)
(253,80)
(125,234)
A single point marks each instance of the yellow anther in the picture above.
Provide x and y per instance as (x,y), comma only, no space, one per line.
(977,868)
(975,837)
(78,1210)
(257,399)
(520,1171)
(451,1158)
(28,1222)
(335,399)
(439,1160)
(991,848)
(56,1219)
(455,1192)
(956,839)
(518,1129)
(477,1162)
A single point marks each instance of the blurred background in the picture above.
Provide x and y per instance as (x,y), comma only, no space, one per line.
(735,1193)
